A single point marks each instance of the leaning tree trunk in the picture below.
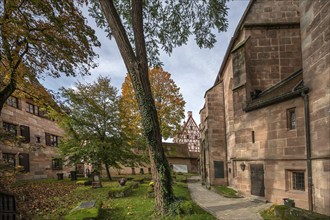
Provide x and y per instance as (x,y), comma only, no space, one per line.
(107,168)
(137,66)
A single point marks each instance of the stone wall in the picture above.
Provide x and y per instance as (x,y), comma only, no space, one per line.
(214,135)
(40,155)
(273,53)
(266,49)
(315,34)
(274,11)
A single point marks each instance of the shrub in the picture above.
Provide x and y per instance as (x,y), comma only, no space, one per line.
(88,183)
(119,192)
(133,185)
(138,179)
(277,212)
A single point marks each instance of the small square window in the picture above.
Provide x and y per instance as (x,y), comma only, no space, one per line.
(38,139)
(291,118)
(57,164)
(9,159)
(10,128)
(12,101)
(51,140)
(33,109)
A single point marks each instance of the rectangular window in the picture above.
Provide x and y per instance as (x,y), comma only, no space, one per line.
(25,132)
(298,180)
(219,169)
(295,180)
(10,128)
(12,101)
(9,159)
(24,161)
(291,118)
(51,140)
(33,109)
(57,164)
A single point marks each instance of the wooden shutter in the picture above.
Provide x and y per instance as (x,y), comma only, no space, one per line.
(219,171)
(24,161)
(25,132)
(47,137)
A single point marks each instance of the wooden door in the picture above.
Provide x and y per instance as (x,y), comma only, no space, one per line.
(257,179)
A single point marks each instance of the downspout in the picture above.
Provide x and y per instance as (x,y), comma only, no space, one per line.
(225,128)
(308,151)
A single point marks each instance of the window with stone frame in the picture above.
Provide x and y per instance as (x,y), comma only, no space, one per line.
(298,180)
(10,128)
(295,180)
(12,101)
(9,159)
(291,118)
(57,164)
(25,133)
(24,161)
(33,109)
(51,140)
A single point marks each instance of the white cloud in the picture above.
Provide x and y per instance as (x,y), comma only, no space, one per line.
(193,69)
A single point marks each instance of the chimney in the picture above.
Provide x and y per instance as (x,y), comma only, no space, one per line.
(189,114)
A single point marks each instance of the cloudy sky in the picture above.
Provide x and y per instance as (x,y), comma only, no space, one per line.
(193,69)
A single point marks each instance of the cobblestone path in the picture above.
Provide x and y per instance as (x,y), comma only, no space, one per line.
(226,208)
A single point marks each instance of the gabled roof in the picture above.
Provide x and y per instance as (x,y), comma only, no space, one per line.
(190,118)
(175,150)
(288,88)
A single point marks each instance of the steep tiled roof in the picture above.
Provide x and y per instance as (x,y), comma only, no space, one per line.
(175,150)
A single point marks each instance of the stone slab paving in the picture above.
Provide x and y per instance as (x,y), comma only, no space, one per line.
(226,208)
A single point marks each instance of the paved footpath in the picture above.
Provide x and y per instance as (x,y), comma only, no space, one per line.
(226,208)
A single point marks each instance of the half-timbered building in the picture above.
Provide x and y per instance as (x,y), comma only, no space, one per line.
(189,134)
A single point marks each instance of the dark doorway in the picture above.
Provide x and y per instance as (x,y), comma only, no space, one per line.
(257,179)
(7,207)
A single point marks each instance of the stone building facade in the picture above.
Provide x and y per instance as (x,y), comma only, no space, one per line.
(265,122)
(29,139)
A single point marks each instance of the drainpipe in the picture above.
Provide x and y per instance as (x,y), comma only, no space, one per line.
(225,128)
(308,151)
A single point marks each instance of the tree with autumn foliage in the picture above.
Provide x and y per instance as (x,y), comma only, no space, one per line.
(140,28)
(168,101)
(42,37)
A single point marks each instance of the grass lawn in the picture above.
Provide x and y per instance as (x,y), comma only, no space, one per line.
(57,198)
(226,192)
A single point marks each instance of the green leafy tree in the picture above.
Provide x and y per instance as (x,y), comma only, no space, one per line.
(140,28)
(168,101)
(92,126)
(42,37)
